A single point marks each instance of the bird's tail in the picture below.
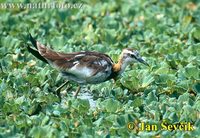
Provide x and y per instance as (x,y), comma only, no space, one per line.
(46,54)
(35,51)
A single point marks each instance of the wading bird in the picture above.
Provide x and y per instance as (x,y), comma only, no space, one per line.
(85,67)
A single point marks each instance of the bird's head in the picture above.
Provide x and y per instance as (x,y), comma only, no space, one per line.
(129,56)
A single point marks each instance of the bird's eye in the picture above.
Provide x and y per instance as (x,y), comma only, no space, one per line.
(132,55)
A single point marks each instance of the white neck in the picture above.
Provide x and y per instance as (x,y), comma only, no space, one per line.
(123,67)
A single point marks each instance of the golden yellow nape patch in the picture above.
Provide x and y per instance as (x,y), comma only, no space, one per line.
(116,67)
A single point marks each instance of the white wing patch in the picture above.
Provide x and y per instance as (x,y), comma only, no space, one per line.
(101,62)
(76,62)
(80,55)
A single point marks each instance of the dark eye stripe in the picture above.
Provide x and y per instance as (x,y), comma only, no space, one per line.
(133,56)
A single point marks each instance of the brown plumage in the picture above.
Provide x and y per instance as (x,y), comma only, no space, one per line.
(85,67)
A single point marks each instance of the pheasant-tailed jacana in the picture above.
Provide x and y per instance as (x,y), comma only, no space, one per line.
(85,67)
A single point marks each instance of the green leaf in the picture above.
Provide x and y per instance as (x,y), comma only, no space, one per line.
(196,87)
(151,97)
(130,80)
(121,121)
(161,70)
(45,120)
(111,105)
(192,71)
(196,33)
(99,121)
(186,21)
(184,98)
(147,80)
(39,132)
(137,102)
(82,105)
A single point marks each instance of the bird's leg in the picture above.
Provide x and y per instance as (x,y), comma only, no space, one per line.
(59,88)
(77,91)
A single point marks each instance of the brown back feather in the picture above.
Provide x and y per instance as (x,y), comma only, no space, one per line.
(65,60)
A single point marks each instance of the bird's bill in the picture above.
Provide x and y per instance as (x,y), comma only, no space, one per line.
(141,60)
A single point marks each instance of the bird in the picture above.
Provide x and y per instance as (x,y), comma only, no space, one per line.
(85,67)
